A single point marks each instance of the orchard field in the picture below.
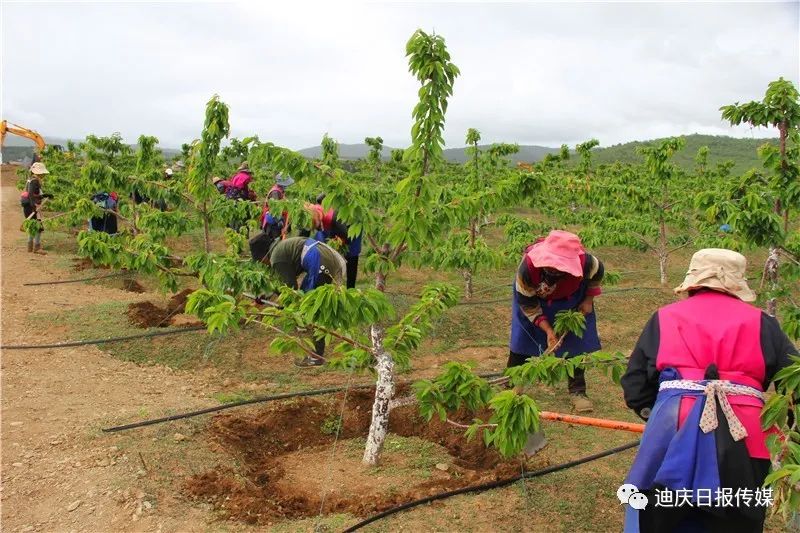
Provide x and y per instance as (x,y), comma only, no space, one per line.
(409,348)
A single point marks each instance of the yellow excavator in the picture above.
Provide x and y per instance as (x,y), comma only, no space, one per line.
(16,129)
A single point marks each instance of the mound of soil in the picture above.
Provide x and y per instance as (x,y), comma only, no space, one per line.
(84,263)
(149,315)
(283,444)
(131,285)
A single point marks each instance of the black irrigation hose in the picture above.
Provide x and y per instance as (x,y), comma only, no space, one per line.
(259,399)
(499,300)
(490,485)
(606,291)
(101,341)
(58,282)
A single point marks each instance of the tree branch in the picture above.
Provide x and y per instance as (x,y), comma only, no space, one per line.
(465,426)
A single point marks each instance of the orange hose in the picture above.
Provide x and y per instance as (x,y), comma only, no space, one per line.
(594,422)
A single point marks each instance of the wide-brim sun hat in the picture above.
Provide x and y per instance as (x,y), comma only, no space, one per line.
(244,167)
(560,250)
(283,180)
(215,180)
(718,269)
(39,169)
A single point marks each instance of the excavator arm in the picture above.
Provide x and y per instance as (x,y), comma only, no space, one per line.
(6,127)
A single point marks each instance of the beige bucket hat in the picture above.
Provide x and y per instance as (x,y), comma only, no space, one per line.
(719,269)
(38,169)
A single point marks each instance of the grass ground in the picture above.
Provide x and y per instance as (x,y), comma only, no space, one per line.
(579,499)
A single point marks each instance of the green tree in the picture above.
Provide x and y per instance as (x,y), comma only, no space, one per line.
(780,108)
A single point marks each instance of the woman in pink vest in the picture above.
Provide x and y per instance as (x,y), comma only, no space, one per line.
(698,375)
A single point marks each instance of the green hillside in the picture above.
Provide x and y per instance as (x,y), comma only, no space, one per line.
(741,151)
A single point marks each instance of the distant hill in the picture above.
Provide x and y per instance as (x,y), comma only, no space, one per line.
(721,148)
(20,148)
(14,140)
(346,151)
(454,155)
(741,151)
(527,153)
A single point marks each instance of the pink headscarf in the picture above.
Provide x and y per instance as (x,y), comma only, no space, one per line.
(560,250)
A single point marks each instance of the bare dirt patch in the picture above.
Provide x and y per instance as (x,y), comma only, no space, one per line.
(84,263)
(131,285)
(285,456)
(150,315)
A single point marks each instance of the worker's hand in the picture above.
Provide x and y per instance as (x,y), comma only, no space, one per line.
(553,341)
(586,306)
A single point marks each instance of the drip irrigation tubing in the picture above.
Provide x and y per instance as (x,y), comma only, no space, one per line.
(259,399)
(606,291)
(101,341)
(60,281)
(490,485)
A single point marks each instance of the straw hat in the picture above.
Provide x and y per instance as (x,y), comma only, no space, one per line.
(560,250)
(168,171)
(39,169)
(215,180)
(244,167)
(719,269)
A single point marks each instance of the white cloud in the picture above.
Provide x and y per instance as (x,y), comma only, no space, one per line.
(531,73)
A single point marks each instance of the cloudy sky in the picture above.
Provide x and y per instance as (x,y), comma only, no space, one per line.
(535,73)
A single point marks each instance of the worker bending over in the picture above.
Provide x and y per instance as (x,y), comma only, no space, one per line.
(319,263)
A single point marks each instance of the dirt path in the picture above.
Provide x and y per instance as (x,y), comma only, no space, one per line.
(59,472)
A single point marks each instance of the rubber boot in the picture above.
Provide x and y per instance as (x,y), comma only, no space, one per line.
(30,246)
(38,250)
(581,404)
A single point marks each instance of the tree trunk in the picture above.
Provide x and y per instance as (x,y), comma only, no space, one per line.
(380,277)
(467,284)
(662,250)
(771,277)
(473,231)
(135,219)
(384,391)
(662,267)
(206,231)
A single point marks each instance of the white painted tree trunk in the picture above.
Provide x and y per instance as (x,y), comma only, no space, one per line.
(771,277)
(467,284)
(662,268)
(384,392)
(662,248)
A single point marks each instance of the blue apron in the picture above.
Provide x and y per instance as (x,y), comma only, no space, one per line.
(527,339)
(684,458)
(311,263)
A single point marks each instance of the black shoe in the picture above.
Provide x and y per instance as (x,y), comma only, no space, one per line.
(309,361)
